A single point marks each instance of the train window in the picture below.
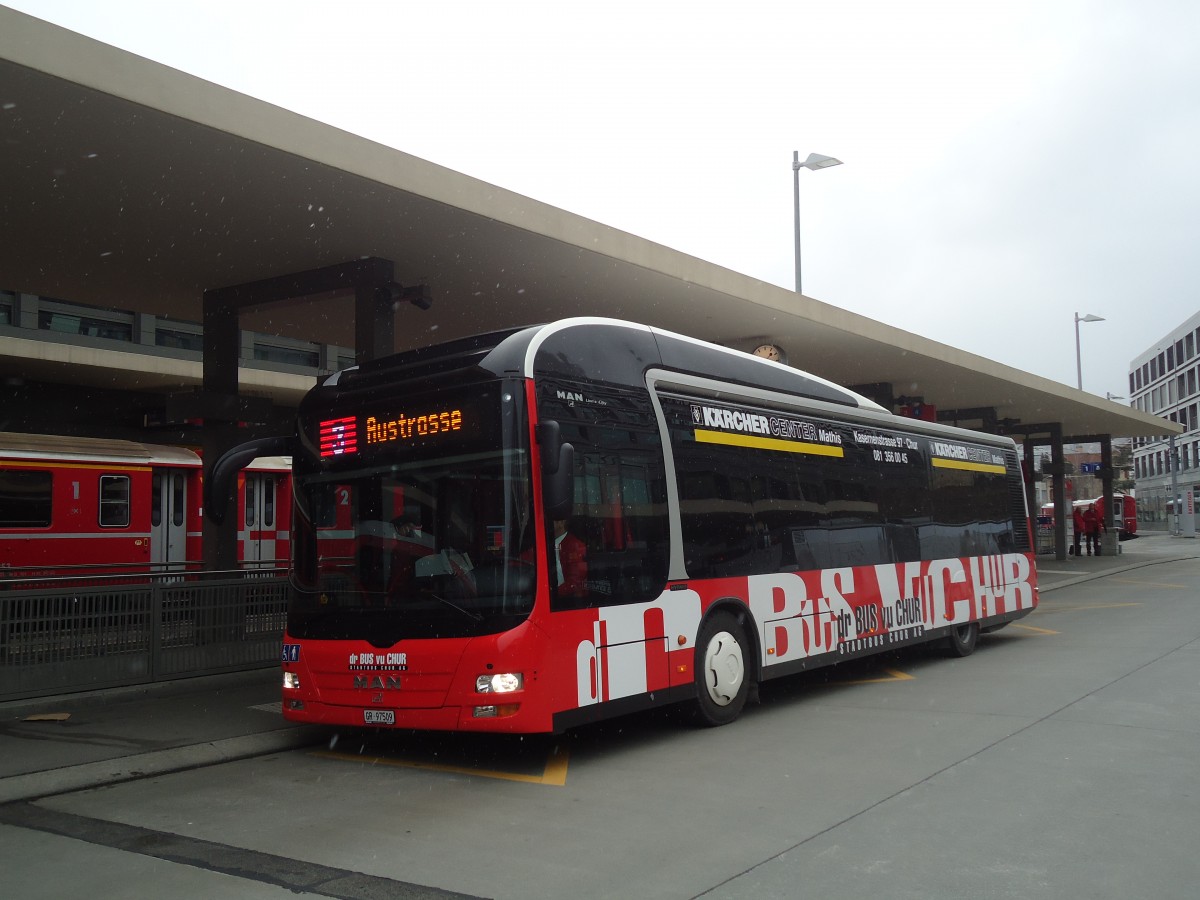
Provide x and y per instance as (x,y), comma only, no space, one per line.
(156,500)
(25,498)
(114,501)
(248,491)
(178,494)
(268,503)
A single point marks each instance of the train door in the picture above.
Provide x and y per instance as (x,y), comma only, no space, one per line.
(259,520)
(168,519)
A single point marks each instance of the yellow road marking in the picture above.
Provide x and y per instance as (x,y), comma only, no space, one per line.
(1156,584)
(554,773)
(893,675)
(1033,628)
(1045,610)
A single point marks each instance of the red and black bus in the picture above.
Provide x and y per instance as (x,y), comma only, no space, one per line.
(529,530)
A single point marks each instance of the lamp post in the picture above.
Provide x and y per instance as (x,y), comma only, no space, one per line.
(1078,359)
(814,162)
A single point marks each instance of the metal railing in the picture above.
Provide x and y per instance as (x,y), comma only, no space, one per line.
(75,634)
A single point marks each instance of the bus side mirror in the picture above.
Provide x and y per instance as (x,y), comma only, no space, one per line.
(559,487)
(219,480)
(558,470)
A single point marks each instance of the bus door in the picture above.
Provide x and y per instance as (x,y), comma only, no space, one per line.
(168,519)
(259,525)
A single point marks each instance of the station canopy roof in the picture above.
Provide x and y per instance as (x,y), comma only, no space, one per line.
(131,185)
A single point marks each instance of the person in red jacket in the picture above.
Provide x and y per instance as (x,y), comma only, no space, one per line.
(570,556)
(1091,529)
(1080,527)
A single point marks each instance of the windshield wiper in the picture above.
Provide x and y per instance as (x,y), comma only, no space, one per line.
(475,617)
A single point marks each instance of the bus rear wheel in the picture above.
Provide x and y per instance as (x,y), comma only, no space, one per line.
(722,676)
(962,639)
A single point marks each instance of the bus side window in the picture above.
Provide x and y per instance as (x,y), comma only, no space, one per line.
(747,508)
(620,514)
(904,503)
(970,514)
(715,510)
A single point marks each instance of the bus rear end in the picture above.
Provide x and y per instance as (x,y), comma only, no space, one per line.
(1125,516)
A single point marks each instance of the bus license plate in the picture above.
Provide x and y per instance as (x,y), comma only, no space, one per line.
(379,716)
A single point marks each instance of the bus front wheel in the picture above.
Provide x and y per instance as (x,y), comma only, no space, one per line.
(962,639)
(722,675)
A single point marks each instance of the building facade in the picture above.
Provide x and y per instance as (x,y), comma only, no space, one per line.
(1164,380)
(124,368)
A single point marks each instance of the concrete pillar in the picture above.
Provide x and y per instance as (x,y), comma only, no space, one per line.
(25,311)
(1029,473)
(1110,537)
(374,323)
(222,344)
(143,329)
(1058,491)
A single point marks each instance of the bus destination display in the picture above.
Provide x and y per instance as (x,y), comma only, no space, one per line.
(343,436)
(405,428)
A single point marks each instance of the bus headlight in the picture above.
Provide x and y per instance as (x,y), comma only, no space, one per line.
(291,681)
(503,683)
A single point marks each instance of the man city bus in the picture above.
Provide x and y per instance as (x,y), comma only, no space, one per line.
(528,530)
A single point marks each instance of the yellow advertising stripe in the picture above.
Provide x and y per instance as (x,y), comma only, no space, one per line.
(764,443)
(940,463)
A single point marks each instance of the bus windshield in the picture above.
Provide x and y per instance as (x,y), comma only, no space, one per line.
(406,534)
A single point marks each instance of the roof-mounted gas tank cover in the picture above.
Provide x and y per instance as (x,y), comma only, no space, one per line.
(590,348)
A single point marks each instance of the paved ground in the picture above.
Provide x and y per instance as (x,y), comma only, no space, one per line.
(1057,762)
(112,736)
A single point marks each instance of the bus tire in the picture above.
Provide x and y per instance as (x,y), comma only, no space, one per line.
(962,639)
(722,670)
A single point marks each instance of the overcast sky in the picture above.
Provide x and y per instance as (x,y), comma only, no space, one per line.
(1006,164)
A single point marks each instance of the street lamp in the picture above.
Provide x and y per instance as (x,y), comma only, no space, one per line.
(814,162)
(1111,396)
(1078,362)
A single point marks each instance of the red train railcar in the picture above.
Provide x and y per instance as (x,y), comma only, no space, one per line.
(85,506)
(265,513)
